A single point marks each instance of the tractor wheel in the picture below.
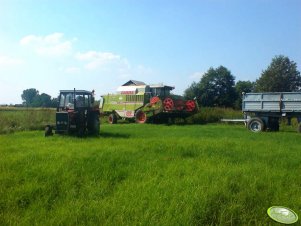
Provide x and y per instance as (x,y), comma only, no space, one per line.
(48,131)
(168,104)
(81,132)
(190,105)
(256,125)
(112,119)
(94,129)
(140,117)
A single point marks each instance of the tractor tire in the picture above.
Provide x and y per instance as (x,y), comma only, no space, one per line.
(140,117)
(94,126)
(256,125)
(48,131)
(112,118)
(81,132)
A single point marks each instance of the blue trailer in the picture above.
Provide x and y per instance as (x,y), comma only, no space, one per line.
(262,111)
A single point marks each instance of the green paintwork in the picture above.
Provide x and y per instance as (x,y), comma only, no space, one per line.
(124,105)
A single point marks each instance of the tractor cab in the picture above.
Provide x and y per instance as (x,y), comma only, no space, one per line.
(76,113)
(71,100)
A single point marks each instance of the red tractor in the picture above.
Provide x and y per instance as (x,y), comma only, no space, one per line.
(76,114)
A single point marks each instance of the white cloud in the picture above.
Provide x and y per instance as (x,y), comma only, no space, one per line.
(52,45)
(72,70)
(10,61)
(112,65)
(98,59)
(197,75)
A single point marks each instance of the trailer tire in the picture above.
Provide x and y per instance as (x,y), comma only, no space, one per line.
(140,117)
(112,119)
(256,125)
(273,124)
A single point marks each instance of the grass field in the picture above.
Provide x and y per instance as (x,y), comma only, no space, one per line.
(133,174)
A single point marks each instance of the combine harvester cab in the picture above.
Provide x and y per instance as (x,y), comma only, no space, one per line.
(141,102)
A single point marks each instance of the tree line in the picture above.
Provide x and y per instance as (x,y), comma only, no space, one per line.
(217,87)
(32,98)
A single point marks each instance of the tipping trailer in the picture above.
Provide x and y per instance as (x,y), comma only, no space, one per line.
(262,111)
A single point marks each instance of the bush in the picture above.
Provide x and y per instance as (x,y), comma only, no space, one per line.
(213,115)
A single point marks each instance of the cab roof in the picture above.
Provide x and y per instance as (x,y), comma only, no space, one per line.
(77,92)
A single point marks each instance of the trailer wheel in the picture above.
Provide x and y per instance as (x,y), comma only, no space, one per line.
(273,124)
(112,119)
(140,117)
(256,125)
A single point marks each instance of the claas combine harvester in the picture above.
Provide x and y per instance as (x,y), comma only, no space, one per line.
(146,103)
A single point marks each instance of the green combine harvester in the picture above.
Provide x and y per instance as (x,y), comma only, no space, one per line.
(146,103)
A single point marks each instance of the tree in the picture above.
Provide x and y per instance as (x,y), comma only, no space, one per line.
(45,100)
(28,96)
(31,98)
(280,76)
(240,87)
(217,88)
(192,91)
(54,102)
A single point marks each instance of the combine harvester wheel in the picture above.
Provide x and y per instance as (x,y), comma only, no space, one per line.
(112,119)
(140,117)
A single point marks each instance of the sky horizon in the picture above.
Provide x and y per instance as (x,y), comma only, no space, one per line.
(100,45)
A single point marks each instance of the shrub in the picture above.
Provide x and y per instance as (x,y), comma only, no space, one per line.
(213,115)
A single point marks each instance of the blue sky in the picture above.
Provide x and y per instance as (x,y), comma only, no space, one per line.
(95,44)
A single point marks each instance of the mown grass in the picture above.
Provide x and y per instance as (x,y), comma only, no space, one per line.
(149,175)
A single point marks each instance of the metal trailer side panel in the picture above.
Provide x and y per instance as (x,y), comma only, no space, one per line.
(272,102)
(291,102)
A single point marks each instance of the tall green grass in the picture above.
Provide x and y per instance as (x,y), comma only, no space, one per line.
(20,119)
(211,115)
(149,175)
